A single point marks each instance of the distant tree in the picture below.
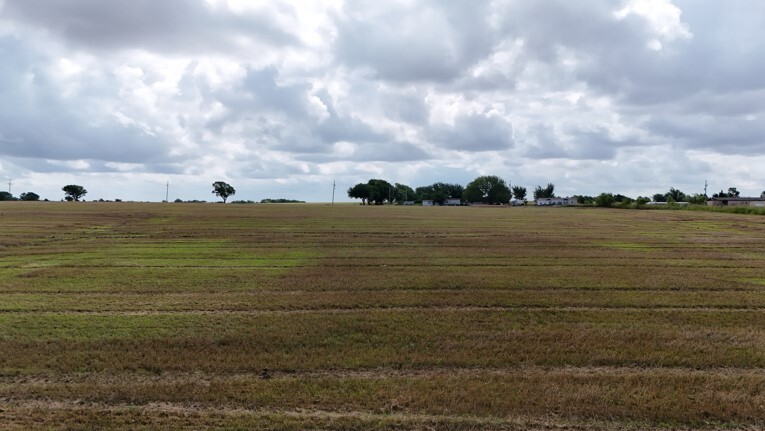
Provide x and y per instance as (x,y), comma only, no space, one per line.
(489,189)
(585,200)
(380,191)
(732,193)
(519,192)
(604,200)
(402,193)
(547,192)
(658,197)
(223,190)
(440,192)
(640,201)
(74,192)
(762,195)
(697,199)
(675,195)
(5,196)
(275,201)
(374,191)
(29,196)
(359,191)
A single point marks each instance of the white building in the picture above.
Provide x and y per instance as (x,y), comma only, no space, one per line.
(556,201)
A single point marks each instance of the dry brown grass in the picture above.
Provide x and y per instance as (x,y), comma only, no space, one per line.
(148,316)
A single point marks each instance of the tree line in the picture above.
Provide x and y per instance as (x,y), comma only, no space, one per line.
(670,197)
(486,189)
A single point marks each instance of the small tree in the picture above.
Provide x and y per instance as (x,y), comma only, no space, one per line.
(74,192)
(675,195)
(223,190)
(605,200)
(29,196)
(641,201)
(697,199)
(519,193)
(5,196)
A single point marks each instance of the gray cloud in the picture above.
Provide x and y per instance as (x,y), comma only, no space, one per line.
(474,132)
(36,121)
(557,90)
(426,41)
(168,26)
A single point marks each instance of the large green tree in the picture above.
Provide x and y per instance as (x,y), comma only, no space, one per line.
(73,192)
(29,196)
(6,196)
(546,192)
(380,191)
(403,193)
(489,189)
(359,191)
(374,191)
(223,190)
(440,192)
(519,192)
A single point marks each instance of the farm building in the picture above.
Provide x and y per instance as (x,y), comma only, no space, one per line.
(447,202)
(752,202)
(556,201)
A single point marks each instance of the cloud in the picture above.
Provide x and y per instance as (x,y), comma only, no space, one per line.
(170,26)
(413,41)
(287,94)
(474,133)
(37,121)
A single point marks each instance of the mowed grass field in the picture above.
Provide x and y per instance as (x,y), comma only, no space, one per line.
(155,316)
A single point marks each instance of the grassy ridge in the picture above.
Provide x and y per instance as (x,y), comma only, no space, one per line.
(379,318)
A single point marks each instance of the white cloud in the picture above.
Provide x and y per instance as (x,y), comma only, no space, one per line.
(289,95)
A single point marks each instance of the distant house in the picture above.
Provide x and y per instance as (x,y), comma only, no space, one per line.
(751,202)
(556,201)
(447,202)
(408,203)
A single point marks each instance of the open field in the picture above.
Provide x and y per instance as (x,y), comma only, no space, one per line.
(154,316)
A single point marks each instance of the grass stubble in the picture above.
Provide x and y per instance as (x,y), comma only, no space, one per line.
(151,316)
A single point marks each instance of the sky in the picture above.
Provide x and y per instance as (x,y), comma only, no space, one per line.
(281,99)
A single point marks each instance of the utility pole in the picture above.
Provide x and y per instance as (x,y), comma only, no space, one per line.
(705,187)
(10,183)
(334,185)
(167,191)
